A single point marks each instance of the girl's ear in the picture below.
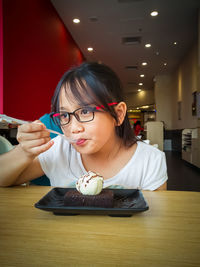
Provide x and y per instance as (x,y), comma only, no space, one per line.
(120,110)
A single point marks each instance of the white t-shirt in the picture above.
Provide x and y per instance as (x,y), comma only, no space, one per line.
(146,169)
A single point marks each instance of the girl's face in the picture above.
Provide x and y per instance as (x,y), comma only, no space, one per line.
(93,136)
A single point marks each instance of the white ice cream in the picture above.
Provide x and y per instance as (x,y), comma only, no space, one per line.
(90,184)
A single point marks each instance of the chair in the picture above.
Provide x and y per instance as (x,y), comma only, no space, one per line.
(5,145)
(49,123)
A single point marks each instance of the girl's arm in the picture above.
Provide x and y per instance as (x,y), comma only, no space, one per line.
(21,164)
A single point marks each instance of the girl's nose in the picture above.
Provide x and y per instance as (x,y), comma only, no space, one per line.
(75,125)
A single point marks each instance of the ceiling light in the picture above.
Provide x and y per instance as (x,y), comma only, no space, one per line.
(144,63)
(76,20)
(140,84)
(90,49)
(165,64)
(145,107)
(139,90)
(142,75)
(147,45)
(154,13)
(157,53)
(175,43)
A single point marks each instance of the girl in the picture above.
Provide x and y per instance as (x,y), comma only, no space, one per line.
(89,107)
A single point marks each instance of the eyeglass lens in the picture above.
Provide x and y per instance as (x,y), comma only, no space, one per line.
(82,114)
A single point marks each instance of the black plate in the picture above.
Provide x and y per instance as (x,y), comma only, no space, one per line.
(126,203)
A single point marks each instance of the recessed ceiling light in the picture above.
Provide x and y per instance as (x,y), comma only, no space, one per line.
(139,90)
(142,75)
(157,53)
(144,63)
(76,20)
(90,49)
(140,84)
(147,45)
(175,43)
(154,13)
(165,64)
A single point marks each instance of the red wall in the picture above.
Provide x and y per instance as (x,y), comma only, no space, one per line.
(37,50)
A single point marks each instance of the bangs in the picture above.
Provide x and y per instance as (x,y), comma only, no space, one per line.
(86,91)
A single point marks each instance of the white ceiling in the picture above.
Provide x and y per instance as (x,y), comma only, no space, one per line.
(105,22)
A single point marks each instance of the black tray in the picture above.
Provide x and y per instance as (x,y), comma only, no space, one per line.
(126,203)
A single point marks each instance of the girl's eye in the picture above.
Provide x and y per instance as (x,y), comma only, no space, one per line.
(64,115)
(85,111)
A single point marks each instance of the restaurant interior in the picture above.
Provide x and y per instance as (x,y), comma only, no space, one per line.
(154,47)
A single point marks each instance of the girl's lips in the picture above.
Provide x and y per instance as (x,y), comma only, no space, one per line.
(80,141)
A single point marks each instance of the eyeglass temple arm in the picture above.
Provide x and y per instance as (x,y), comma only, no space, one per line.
(109,104)
(56,115)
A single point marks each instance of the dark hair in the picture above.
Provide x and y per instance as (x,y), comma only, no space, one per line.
(100,85)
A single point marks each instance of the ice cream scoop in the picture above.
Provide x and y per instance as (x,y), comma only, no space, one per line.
(90,183)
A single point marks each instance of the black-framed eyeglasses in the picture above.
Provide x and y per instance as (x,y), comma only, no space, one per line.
(83,114)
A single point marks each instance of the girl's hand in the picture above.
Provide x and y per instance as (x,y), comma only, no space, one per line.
(33,138)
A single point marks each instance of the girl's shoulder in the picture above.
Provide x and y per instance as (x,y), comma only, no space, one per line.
(147,149)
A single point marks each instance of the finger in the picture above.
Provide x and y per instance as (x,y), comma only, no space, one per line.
(40,149)
(29,144)
(37,121)
(32,136)
(31,127)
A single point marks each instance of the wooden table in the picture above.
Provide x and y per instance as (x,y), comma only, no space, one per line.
(168,234)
